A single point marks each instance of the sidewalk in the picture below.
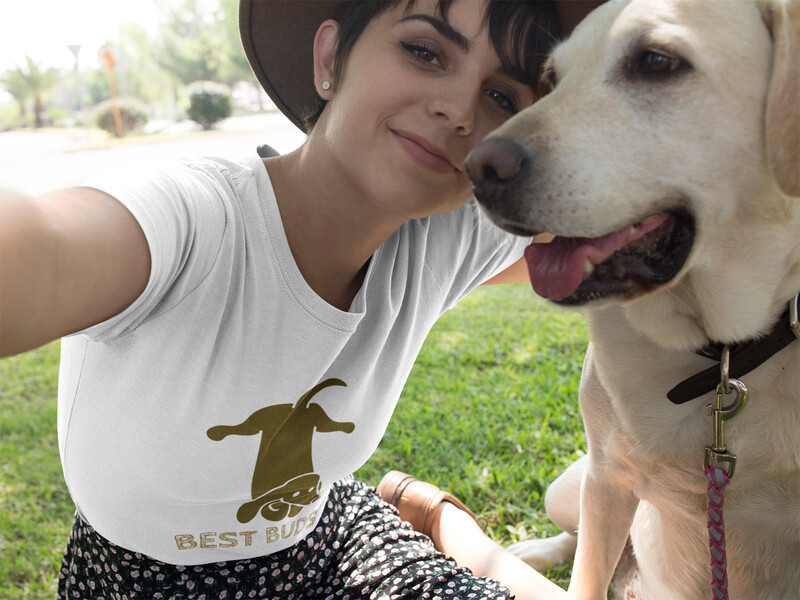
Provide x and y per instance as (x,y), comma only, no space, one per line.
(37,162)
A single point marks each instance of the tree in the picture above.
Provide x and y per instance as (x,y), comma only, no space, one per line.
(32,82)
(191,40)
(16,84)
(140,75)
(199,41)
(236,66)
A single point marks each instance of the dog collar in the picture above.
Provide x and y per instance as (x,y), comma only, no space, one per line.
(744,357)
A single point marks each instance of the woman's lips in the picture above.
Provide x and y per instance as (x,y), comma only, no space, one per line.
(423,152)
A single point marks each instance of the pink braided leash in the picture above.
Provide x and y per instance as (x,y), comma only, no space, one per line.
(717,481)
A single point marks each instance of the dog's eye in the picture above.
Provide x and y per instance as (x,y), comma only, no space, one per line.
(659,62)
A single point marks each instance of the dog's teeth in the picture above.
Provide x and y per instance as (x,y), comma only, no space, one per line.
(649,220)
(588,268)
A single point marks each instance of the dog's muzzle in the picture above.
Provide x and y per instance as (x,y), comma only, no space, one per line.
(622,263)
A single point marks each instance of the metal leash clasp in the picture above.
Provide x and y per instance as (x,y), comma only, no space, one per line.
(721,413)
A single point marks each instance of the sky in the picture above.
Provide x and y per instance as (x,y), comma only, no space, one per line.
(44,29)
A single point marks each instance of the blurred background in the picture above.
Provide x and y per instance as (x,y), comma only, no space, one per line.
(110,77)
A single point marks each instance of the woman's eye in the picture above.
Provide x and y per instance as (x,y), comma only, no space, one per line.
(657,62)
(502,101)
(421,52)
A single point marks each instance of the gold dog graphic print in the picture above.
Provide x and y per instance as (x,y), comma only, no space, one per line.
(284,480)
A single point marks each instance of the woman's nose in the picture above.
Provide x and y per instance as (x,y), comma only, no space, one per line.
(456,107)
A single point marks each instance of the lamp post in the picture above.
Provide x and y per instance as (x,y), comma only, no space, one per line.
(108,60)
(76,50)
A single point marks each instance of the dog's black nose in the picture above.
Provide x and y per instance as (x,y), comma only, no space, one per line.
(495,162)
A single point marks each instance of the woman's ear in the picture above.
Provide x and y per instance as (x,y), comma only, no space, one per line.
(325,43)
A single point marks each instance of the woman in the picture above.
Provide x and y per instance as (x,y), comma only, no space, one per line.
(238,332)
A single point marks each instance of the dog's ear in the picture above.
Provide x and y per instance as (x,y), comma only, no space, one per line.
(782,18)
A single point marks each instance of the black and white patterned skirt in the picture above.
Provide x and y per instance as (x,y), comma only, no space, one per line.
(359,550)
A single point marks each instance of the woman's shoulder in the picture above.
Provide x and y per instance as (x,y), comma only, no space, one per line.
(178,170)
(234,170)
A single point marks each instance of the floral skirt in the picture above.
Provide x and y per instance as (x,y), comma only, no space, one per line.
(359,550)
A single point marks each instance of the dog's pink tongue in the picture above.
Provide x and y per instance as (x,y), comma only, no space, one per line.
(557,268)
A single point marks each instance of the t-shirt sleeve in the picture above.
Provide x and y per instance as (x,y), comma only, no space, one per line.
(181,209)
(465,249)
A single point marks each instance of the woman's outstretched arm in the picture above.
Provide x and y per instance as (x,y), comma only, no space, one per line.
(68,260)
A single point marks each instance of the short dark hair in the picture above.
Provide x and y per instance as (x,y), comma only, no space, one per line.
(521,31)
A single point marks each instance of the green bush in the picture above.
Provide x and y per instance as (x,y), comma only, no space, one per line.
(9,117)
(133,113)
(209,102)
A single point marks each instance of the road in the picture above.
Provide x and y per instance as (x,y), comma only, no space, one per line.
(38,162)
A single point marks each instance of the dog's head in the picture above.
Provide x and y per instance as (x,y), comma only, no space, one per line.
(666,123)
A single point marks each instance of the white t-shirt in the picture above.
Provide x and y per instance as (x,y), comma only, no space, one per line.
(208,420)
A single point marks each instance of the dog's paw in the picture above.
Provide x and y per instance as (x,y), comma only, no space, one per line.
(551,551)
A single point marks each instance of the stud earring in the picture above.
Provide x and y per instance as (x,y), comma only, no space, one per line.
(326,85)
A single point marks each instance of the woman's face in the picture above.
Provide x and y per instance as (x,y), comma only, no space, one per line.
(416,94)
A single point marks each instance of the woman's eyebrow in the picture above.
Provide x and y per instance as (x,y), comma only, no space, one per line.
(443,28)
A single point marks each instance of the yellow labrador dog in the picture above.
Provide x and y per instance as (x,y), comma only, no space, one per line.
(665,160)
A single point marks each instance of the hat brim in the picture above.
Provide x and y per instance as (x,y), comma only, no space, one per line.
(278,40)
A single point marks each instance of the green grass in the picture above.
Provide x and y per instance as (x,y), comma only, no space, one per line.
(35,509)
(490,413)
